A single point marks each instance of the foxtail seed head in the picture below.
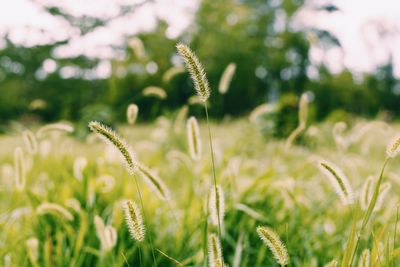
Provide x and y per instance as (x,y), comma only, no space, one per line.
(54,127)
(107,234)
(132,113)
(196,70)
(154,182)
(217,205)
(194,140)
(338,180)
(110,137)
(180,118)
(30,141)
(32,246)
(226,78)
(364,259)
(134,220)
(214,251)
(393,148)
(19,169)
(332,263)
(366,192)
(303,109)
(274,243)
(53,208)
(155,91)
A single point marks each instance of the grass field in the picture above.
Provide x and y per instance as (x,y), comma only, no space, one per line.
(264,183)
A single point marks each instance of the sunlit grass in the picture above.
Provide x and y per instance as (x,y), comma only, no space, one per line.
(264,184)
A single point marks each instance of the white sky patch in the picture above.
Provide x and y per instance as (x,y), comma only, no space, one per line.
(369,30)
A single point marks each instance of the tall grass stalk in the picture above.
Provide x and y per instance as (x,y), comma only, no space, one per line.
(200,81)
(111,137)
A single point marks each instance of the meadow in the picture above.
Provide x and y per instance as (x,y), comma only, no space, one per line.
(264,184)
(63,199)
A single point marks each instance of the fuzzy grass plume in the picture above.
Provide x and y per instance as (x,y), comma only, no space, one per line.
(171,73)
(30,141)
(32,246)
(110,137)
(393,148)
(274,243)
(132,113)
(194,140)
(134,220)
(217,205)
(303,113)
(259,111)
(338,181)
(155,91)
(180,118)
(53,208)
(215,258)
(332,263)
(54,127)
(106,233)
(155,182)
(196,70)
(19,169)
(364,260)
(226,78)
(366,192)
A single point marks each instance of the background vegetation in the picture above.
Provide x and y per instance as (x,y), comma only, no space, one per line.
(272,66)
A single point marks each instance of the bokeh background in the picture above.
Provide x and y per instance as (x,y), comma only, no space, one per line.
(83,60)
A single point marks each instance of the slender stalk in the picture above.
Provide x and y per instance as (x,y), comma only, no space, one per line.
(395,234)
(370,208)
(170,258)
(145,220)
(372,203)
(213,164)
(140,256)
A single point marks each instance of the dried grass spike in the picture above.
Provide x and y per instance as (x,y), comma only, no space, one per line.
(226,78)
(196,70)
(52,208)
(111,137)
(154,182)
(180,118)
(214,251)
(338,180)
(30,141)
(32,246)
(194,140)
(332,263)
(19,169)
(217,205)
(366,192)
(273,242)
(393,148)
(155,91)
(303,109)
(364,259)
(54,127)
(132,113)
(134,220)
(383,191)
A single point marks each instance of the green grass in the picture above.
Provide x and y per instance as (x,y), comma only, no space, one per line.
(264,184)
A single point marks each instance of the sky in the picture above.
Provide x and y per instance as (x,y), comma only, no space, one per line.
(357,26)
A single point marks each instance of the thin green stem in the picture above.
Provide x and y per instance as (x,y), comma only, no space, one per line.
(140,256)
(372,203)
(145,220)
(213,164)
(370,208)
(395,234)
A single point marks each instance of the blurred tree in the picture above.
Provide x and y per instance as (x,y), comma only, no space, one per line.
(271,55)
